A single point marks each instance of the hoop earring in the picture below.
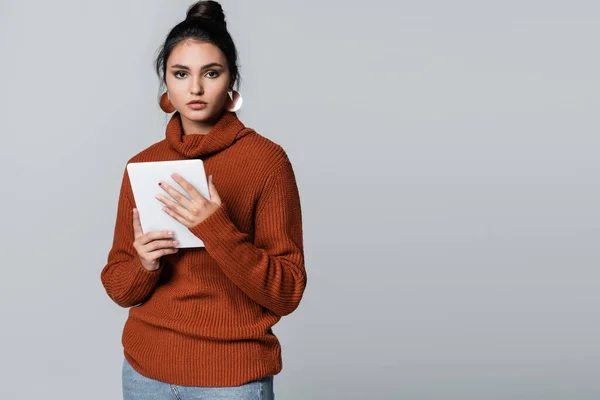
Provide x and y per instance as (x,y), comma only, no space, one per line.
(165,103)
(234,102)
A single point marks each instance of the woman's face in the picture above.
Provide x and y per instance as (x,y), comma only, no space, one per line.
(197,71)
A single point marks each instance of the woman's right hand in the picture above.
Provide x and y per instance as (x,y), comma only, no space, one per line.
(153,245)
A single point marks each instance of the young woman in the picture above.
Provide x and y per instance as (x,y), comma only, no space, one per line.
(200,319)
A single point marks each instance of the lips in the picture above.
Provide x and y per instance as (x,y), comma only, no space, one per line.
(197,105)
(197,102)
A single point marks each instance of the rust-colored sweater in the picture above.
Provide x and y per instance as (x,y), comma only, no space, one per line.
(204,317)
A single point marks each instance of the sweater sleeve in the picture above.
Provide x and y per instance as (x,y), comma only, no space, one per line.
(270,269)
(125,279)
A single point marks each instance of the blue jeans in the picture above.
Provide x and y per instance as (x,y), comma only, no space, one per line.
(139,387)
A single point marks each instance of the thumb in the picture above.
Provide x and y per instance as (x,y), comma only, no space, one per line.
(212,191)
(137,226)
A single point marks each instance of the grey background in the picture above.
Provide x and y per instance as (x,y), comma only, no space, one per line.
(447,159)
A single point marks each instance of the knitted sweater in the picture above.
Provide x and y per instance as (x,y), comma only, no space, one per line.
(204,317)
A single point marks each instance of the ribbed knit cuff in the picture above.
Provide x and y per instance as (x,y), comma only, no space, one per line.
(131,283)
(144,279)
(216,229)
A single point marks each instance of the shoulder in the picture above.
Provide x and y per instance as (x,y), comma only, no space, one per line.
(262,152)
(150,153)
(267,162)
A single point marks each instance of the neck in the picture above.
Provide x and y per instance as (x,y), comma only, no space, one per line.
(190,127)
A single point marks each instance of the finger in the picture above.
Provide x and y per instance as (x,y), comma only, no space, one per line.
(137,225)
(175,194)
(172,205)
(162,244)
(212,191)
(156,254)
(154,235)
(188,187)
(176,216)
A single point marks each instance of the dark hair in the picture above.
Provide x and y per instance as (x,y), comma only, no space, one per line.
(204,22)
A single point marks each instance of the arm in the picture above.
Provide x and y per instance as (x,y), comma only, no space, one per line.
(270,270)
(124,277)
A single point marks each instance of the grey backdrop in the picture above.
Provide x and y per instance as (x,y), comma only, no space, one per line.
(447,159)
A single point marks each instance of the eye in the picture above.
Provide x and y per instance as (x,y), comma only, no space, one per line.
(178,73)
(217,74)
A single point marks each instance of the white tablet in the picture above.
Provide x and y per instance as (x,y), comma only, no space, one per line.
(144,178)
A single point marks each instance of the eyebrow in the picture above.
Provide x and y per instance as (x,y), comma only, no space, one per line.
(179,66)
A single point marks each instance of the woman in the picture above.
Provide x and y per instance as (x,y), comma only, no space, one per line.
(199,323)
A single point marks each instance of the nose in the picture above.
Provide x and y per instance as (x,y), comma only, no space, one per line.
(196,86)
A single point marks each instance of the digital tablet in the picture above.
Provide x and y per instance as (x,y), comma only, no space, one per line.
(144,178)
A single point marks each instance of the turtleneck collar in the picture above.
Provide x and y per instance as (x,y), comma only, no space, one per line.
(221,135)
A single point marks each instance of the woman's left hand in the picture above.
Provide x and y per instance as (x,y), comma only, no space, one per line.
(189,212)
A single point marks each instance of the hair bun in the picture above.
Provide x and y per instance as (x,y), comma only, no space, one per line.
(208,10)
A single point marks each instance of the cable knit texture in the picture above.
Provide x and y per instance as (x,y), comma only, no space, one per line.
(204,317)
